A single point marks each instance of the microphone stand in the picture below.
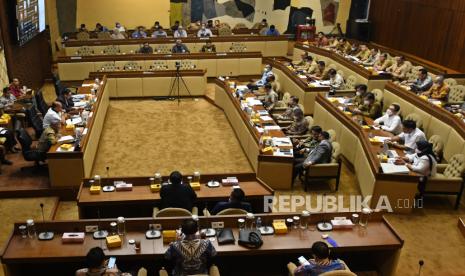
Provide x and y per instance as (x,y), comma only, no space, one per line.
(100,234)
(47,235)
(324,225)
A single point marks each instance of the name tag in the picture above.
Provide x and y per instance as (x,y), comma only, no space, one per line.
(76,57)
(221,54)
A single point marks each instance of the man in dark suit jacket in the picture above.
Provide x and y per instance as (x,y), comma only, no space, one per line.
(67,102)
(176,194)
(236,200)
(321,154)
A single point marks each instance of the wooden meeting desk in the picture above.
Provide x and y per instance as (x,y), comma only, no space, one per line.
(357,149)
(69,168)
(363,76)
(267,45)
(216,64)
(376,247)
(275,171)
(140,201)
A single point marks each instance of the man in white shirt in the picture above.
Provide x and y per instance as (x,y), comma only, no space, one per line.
(204,32)
(267,72)
(180,32)
(54,113)
(336,82)
(390,121)
(410,136)
(119,27)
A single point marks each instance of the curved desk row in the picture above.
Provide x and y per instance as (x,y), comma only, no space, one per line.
(267,45)
(349,68)
(363,155)
(216,64)
(376,247)
(275,171)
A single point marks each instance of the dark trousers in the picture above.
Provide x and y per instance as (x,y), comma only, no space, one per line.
(10,140)
(298,167)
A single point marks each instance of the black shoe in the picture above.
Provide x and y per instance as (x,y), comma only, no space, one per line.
(6,162)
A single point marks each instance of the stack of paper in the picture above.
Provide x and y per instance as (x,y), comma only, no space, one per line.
(272,128)
(394,169)
(66,139)
(281,141)
(266,118)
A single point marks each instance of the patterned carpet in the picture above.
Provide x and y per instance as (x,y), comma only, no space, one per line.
(141,137)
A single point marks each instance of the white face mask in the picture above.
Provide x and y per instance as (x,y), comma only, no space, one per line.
(358,93)
(366,102)
(267,69)
(389,112)
(417,151)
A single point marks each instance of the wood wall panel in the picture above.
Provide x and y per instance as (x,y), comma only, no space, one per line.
(430,29)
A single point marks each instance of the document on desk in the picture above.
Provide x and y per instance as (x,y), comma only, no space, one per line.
(394,169)
(242,87)
(66,139)
(74,121)
(272,128)
(381,139)
(262,112)
(281,141)
(83,85)
(80,104)
(259,129)
(266,118)
(253,102)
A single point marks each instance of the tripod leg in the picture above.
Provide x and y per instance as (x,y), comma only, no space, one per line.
(173,83)
(185,85)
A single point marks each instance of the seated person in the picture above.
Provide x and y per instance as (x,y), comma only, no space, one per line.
(309,66)
(7,99)
(3,159)
(302,63)
(382,63)
(209,47)
(159,32)
(344,46)
(370,108)
(190,255)
(175,26)
(217,23)
(260,25)
(439,90)
(99,28)
(422,83)
(267,71)
(180,32)
(236,200)
(179,47)
(390,121)
(320,263)
(374,56)
(409,137)
(119,27)
(399,69)
(204,32)
(354,49)
(321,154)
(423,161)
(303,146)
(156,25)
(271,97)
(210,24)
(49,136)
(360,93)
(272,31)
(82,28)
(16,89)
(363,54)
(67,103)
(320,73)
(299,125)
(54,113)
(97,265)
(146,49)
(321,40)
(176,194)
(117,34)
(292,105)
(336,82)
(139,33)
(10,141)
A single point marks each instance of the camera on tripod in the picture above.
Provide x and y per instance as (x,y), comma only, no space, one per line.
(178,65)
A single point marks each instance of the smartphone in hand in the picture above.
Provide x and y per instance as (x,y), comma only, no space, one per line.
(303,261)
(111,262)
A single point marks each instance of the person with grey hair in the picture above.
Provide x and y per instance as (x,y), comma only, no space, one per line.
(49,137)
(439,90)
(180,32)
(179,47)
(54,113)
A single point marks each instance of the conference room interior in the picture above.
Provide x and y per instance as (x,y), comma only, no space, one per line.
(332,126)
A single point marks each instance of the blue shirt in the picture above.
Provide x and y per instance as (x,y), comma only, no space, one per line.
(272,32)
(220,206)
(314,269)
(190,256)
(138,34)
(265,75)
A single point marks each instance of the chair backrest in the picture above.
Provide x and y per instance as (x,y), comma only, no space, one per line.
(301,106)
(173,212)
(111,50)
(232,211)
(341,73)
(286,97)
(240,26)
(187,64)
(457,93)
(277,86)
(109,67)
(159,65)
(163,49)
(415,117)
(263,31)
(450,81)
(309,120)
(103,35)
(41,104)
(224,31)
(238,47)
(132,66)
(332,134)
(339,273)
(24,139)
(85,51)
(438,144)
(81,36)
(379,95)
(332,66)
(409,66)
(336,152)
(455,166)
(350,82)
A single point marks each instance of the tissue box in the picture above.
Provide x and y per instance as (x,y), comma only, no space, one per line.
(155,188)
(342,223)
(73,237)
(280,227)
(123,187)
(66,146)
(95,189)
(69,127)
(267,149)
(169,236)
(195,186)
(230,181)
(113,241)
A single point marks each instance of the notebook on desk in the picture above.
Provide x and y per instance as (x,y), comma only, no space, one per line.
(394,169)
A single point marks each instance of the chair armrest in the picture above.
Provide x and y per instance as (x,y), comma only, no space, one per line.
(304,136)
(162,272)
(195,211)
(214,271)
(155,211)
(330,169)
(441,168)
(291,267)
(206,213)
(440,184)
(453,103)
(284,123)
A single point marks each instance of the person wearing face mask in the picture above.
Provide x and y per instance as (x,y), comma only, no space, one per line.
(292,105)
(204,32)
(303,146)
(320,72)
(267,72)
(381,63)
(180,32)
(370,108)
(409,137)
(54,113)
(336,81)
(360,92)
(390,121)
(299,126)
(179,47)
(146,49)
(119,27)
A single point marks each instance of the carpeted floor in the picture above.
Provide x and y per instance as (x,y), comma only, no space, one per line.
(141,137)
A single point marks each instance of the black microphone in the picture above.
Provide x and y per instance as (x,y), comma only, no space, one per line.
(108,172)
(420,263)
(47,235)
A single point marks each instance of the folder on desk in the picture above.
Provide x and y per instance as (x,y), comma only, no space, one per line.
(394,169)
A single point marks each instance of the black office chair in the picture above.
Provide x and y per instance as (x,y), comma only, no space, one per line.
(60,87)
(35,121)
(42,106)
(29,154)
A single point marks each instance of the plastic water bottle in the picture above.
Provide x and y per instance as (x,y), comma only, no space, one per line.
(258,224)
(31,229)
